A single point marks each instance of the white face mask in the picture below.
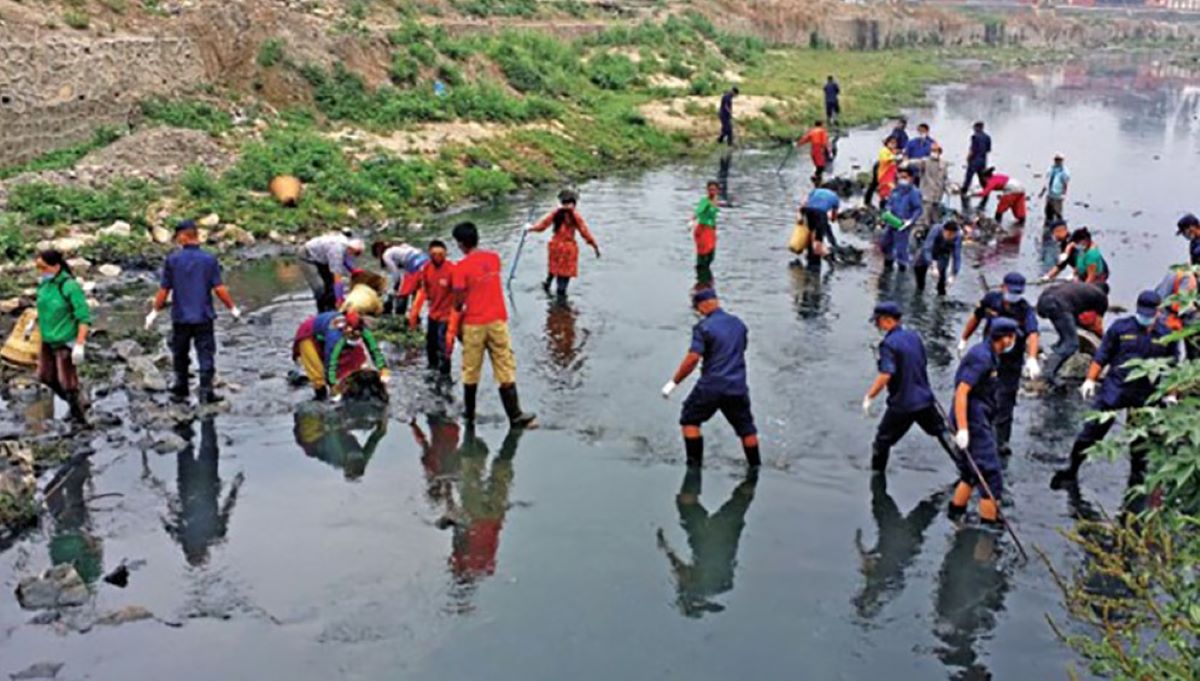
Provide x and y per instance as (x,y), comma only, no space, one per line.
(904,183)
(1009,348)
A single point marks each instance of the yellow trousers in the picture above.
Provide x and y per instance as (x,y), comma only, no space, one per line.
(310,361)
(495,340)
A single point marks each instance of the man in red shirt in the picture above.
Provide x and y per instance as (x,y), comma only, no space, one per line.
(434,285)
(479,308)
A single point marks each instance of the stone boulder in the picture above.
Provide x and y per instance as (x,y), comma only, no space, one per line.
(120,229)
(60,586)
(146,374)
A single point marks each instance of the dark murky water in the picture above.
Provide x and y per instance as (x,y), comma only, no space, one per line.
(292,544)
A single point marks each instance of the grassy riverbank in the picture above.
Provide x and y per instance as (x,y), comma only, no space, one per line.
(519,109)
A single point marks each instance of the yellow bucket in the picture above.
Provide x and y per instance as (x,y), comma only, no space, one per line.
(799,239)
(25,341)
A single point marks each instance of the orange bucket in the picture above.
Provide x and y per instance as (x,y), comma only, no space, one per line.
(286,189)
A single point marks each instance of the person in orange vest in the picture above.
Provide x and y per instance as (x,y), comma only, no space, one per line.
(822,153)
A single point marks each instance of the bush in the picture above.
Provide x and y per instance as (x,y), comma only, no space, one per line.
(503,8)
(15,243)
(66,157)
(201,185)
(186,113)
(270,53)
(450,75)
(76,19)
(304,154)
(404,69)
(486,183)
(423,53)
(612,71)
(46,204)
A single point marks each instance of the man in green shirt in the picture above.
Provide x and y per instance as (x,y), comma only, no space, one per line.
(63,321)
(704,232)
(1090,266)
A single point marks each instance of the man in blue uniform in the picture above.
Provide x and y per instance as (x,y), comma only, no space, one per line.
(899,133)
(942,250)
(1009,303)
(833,107)
(719,349)
(192,276)
(977,156)
(819,208)
(920,146)
(905,203)
(1129,338)
(1189,228)
(725,114)
(902,370)
(974,407)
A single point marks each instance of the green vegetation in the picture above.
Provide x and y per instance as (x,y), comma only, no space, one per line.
(15,244)
(65,157)
(77,19)
(187,113)
(1137,593)
(42,203)
(17,512)
(270,53)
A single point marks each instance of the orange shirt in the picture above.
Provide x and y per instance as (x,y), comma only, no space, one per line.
(818,139)
(437,283)
(478,276)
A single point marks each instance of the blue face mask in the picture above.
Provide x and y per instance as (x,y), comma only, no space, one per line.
(1012,297)
(47,276)
(1144,320)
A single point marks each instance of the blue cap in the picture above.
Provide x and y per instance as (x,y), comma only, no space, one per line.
(1014,282)
(185,225)
(886,309)
(1147,303)
(1002,326)
(1186,222)
(702,295)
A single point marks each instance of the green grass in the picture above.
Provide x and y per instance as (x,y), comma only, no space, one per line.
(187,113)
(17,513)
(65,157)
(270,53)
(47,204)
(76,19)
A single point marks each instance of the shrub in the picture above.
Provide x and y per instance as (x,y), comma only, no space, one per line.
(612,71)
(424,54)
(14,242)
(186,113)
(450,75)
(76,19)
(486,183)
(270,53)
(404,69)
(284,151)
(46,204)
(201,185)
(66,157)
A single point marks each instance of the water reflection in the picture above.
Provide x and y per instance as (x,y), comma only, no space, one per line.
(971,587)
(439,457)
(483,504)
(713,540)
(329,434)
(724,167)
(564,343)
(809,293)
(72,541)
(198,518)
(899,541)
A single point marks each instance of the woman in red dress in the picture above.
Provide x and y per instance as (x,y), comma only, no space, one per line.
(564,251)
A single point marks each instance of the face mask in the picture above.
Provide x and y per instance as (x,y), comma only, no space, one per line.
(46,276)
(904,183)
(936,155)
(1143,320)
(1009,348)
(1012,297)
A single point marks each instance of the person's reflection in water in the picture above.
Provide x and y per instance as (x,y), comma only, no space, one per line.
(439,456)
(713,540)
(970,592)
(724,166)
(328,434)
(810,299)
(198,518)
(564,343)
(72,541)
(483,498)
(899,542)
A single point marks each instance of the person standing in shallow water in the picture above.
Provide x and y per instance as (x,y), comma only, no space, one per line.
(902,370)
(704,233)
(63,321)
(725,115)
(719,348)
(192,275)
(563,250)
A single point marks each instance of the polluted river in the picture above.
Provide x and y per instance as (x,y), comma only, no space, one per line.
(279,538)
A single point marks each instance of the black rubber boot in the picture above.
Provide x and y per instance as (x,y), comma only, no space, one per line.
(752,456)
(75,404)
(694,447)
(879,458)
(179,391)
(389,304)
(469,394)
(1068,476)
(512,407)
(546,284)
(207,396)
(320,394)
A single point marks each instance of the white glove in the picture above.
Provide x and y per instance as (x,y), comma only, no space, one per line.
(668,389)
(77,354)
(1171,400)
(1033,370)
(962,347)
(933,270)
(236,313)
(866,405)
(150,319)
(528,227)
(1044,279)
(950,280)
(385,377)
(962,438)
(1088,390)
(336,398)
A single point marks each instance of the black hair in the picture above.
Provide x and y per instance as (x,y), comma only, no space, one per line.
(378,248)
(819,123)
(55,258)
(712,183)
(734,90)
(560,218)
(437,243)
(950,226)
(466,234)
(922,126)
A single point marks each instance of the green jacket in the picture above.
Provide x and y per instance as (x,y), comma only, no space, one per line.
(335,356)
(706,212)
(61,308)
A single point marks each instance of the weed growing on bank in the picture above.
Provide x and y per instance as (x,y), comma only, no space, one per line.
(65,157)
